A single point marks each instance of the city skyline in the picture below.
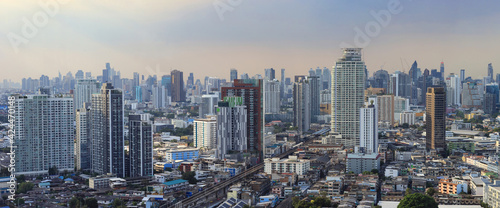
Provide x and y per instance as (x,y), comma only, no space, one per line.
(157,37)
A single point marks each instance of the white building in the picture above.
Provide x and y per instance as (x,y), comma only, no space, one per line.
(231,127)
(44,134)
(358,163)
(272,96)
(368,133)
(208,104)
(391,171)
(407,117)
(302,105)
(160,97)
(453,90)
(348,91)
(290,165)
(84,88)
(205,132)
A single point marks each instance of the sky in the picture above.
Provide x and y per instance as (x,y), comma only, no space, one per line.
(209,37)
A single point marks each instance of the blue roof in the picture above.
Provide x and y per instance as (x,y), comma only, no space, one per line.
(68,179)
(174,182)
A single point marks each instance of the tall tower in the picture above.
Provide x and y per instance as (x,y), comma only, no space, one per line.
(302,105)
(208,103)
(44,134)
(251,92)
(107,131)
(348,91)
(178,93)
(140,147)
(233,75)
(84,89)
(490,72)
(272,96)
(205,132)
(82,145)
(368,128)
(270,74)
(435,118)
(441,70)
(231,126)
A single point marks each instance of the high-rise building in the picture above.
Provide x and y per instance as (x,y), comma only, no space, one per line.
(272,96)
(453,90)
(166,81)
(282,86)
(107,138)
(140,147)
(205,132)
(490,72)
(231,126)
(385,109)
(368,129)
(435,118)
(208,103)
(270,74)
(314,86)
(160,98)
(348,89)
(491,95)
(302,105)
(82,145)
(84,89)
(178,93)
(233,75)
(441,70)
(251,92)
(471,95)
(190,80)
(44,134)
(326,79)
(381,79)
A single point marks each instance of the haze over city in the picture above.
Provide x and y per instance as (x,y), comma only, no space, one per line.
(210,37)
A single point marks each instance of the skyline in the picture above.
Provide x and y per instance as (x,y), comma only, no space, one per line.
(157,37)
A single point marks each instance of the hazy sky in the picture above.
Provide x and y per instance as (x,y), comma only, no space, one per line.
(153,37)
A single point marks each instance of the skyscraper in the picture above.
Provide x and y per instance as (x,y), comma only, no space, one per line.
(435,118)
(270,73)
(251,92)
(166,81)
(368,131)
(314,86)
(491,95)
(44,134)
(462,75)
(82,145)
(233,75)
(107,138)
(441,70)
(205,132)
(272,96)
(282,84)
(160,98)
(208,103)
(490,72)
(326,79)
(140,147)
(231,126)
(178,93)
(302,104)
(190,80)
(84,89)
(453,90)
(348,95)
(385,109)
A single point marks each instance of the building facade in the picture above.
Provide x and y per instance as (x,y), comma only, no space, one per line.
(368,129)
(231,127)
(205,132)
(140,147)
(436,118)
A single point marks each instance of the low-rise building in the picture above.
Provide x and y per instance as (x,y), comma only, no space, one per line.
(358,162)
(449,186)
(290,165)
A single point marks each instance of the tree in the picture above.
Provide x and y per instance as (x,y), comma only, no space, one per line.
(74,203)
(408,191)
(91,203)
(430,191)
(20,178)
(53,170)
(418,200)
(18,201)
(322,202)
(24,187)
(190,177)
(374,171)
(118,203)
(405,126)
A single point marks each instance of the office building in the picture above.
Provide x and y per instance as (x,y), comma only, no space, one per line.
(348,89)
(314,86)
(160,98)
(471,95)
(385,108)
(491,96)
(368,122)
(82,145)
(251,92)
(178,93)
(302,104)
(270,74)
(441,70)
(231,126)
(453,90)
(84,88)
(233,75)
(205,132)
(140,147)
(107,138)
(208,104)
(290,165)
(436,118)
(361,162)
(272,96)
(490,72)
(44,134)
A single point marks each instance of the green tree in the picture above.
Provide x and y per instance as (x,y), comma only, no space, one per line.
(18,201)
(53,170)
(24,187)
(91,203)
(190,177)
(418,200)
(430,191)
(118,203)
(74,203)
(170,115)
(374,171)
(20,178)
(322,202)
(408,191)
